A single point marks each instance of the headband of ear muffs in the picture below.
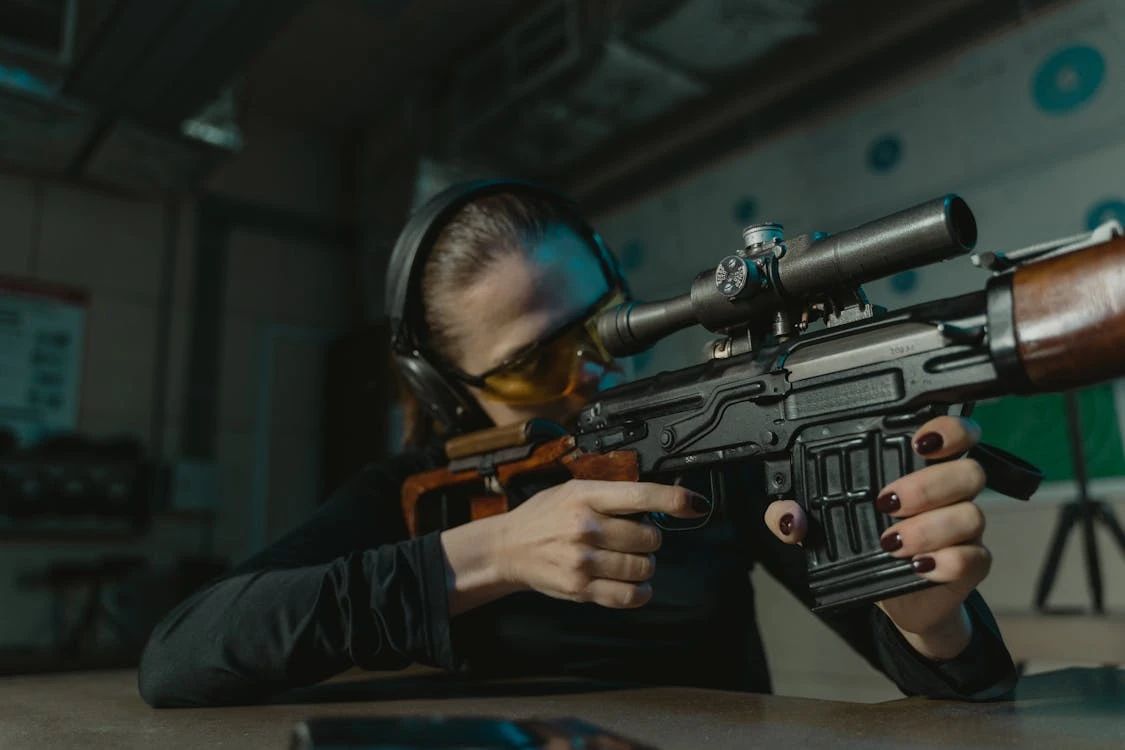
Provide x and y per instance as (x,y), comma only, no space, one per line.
(446,399)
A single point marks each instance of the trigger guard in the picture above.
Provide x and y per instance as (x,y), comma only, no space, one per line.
(665,522)
(1005,472)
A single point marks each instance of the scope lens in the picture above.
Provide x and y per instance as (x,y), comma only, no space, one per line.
(962,224)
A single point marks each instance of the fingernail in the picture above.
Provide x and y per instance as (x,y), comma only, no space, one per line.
(699,503)
(887,503)
(929,443)
(786,524)
(923,564)
(891,542)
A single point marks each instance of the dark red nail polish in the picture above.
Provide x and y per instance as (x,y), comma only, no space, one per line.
(887,503)
(929,443)
(891,542)
(699,503)
(786,524)
(923,564)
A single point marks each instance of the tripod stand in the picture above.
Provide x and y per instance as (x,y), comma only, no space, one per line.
(1085,511)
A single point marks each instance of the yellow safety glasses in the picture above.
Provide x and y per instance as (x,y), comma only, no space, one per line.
(551,368)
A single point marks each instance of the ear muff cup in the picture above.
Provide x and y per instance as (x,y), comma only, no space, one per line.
(444,401)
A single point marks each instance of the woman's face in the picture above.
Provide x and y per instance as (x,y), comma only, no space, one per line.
(517,301)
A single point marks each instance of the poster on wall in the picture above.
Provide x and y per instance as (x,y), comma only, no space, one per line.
(42,341)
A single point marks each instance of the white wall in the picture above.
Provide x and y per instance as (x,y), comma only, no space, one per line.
(968,124)
(1031,131)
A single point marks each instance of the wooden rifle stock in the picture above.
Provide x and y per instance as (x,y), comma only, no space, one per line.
(1069,317)
(487,501)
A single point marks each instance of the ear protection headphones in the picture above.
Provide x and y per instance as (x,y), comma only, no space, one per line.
(446,399)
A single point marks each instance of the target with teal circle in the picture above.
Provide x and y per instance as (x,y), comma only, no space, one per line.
(632,255)
(1068,79)
(905,282)
(1107,210)
(884,153)
(745,210)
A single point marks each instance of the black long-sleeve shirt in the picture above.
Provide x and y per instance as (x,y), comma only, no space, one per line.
(349,588)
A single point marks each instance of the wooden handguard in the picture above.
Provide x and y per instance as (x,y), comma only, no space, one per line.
(558,453)
(492,439)
(1069,316)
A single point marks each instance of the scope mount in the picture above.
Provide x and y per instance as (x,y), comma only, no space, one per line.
(752,270)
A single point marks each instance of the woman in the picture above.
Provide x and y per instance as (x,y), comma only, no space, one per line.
(490,288)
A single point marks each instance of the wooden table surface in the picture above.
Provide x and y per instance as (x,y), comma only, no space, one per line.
(1074,708)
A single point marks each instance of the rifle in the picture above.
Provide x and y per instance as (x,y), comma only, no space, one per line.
(828,410)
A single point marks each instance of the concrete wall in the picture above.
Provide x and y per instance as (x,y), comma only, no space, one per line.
(112,246)
(1029,126)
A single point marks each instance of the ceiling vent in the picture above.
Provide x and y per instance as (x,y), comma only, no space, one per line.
(134,94)
(713,36)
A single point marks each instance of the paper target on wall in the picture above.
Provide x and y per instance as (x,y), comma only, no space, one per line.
(884,153)
(1068,79)
(745,211)
(1112,209)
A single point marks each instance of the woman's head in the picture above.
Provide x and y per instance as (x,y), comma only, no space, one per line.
(507,271)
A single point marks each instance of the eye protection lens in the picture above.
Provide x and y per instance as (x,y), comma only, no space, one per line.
(551,370)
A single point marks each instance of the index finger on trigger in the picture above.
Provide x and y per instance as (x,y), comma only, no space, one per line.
(624,498)
(943,437)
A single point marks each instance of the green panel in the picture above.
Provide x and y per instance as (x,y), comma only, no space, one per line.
(1034,428)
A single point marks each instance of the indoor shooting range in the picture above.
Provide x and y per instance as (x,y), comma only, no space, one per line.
(677,374)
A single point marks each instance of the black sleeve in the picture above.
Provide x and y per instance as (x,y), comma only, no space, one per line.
(346,588)
(983,671)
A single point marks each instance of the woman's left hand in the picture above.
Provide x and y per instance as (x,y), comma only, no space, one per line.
(938,527)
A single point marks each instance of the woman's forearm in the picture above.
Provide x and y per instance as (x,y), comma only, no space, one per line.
(944,641)
(475,564)
(263,631)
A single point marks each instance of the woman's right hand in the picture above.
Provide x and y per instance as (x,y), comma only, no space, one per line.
(589,541)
